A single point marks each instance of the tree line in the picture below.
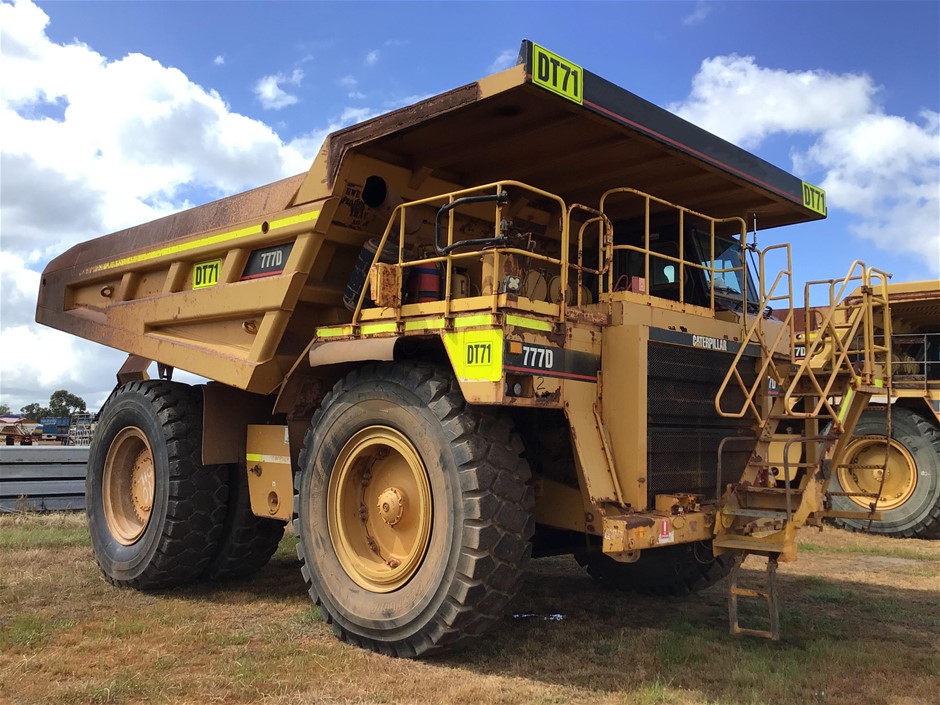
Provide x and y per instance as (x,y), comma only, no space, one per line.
(61,403)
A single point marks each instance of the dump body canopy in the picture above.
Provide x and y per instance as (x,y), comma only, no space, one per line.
(188,290)
(915,306)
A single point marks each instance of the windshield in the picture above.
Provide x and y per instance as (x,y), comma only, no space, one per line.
(729,281)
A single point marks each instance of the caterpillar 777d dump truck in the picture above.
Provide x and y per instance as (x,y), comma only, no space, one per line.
(513,318)
(900,477)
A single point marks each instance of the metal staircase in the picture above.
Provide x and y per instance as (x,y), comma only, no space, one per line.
(799,431)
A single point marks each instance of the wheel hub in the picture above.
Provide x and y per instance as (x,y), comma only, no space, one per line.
(142,479)
(379,509)
(869,470)
(128,485)
(391,505)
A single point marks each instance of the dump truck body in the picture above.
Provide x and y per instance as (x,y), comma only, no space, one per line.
(519,314)
(893,464)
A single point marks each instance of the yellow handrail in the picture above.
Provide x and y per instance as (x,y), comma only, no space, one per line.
(755,332)
(681,261)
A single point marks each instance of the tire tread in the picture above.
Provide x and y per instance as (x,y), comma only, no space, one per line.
(197,496)
(491,471)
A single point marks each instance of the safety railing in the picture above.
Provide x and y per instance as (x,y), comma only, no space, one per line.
(915,359)
(680,260)
(498,248)
(571,262)
(843,344)
(769,338)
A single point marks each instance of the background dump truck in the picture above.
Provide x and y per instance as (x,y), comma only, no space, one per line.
(513,318)
(901,477)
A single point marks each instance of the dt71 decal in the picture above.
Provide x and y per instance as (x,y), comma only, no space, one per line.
(476,355)
(547,361)
(558,75)
(206,274)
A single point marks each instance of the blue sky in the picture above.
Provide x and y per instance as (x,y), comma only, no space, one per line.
(844,94)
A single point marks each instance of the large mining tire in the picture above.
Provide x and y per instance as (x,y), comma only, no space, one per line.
(910,498)
(248,541)
(669,571)
(413,510)
(155,514)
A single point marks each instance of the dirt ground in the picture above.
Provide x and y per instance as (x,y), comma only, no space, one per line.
(861,619)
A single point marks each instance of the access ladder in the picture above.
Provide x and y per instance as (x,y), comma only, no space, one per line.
(799,432)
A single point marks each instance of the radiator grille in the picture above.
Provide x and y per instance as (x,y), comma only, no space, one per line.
(684,429)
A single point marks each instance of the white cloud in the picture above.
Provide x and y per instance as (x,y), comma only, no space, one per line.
(883,170)
(348,81)
(698,15)
(33,358)
(270,94)
(91,145)
(506,58)
(736,99)
(311,142)
(356,95)
(219,60)
(372,58)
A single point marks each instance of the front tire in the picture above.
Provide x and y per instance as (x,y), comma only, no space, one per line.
(413,510)
(910,499)
(154,513)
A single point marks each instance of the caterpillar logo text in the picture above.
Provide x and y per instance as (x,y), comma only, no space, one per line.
(709,343)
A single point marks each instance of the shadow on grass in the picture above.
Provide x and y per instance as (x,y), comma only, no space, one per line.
(279,580)
(842,641)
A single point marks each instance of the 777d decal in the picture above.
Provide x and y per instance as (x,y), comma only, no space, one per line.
(550,361)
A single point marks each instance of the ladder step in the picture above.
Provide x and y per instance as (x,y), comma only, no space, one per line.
(755,489)
(748,592)
(768,464)
(864,516)
(769,597)
(757,513)
(790,417)
(749,544)
(762,633)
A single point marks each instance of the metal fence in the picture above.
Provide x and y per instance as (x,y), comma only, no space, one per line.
(42,478)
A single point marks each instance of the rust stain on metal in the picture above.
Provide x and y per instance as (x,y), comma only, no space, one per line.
(343,141)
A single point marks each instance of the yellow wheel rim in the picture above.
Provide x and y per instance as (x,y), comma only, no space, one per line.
(379,509)
(865,457)
(128,486)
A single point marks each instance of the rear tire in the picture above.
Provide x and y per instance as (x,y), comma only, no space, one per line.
(248,541)
(669,571)
(910,503)
(154,512)
(413,511)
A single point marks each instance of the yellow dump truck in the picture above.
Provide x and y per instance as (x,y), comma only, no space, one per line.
(522,317)
(900,477)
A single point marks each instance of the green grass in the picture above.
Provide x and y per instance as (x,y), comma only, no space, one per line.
(827,593)
(121,689)
(68,637)
(287,549)
(25,630)
(865,550)
(17,537)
